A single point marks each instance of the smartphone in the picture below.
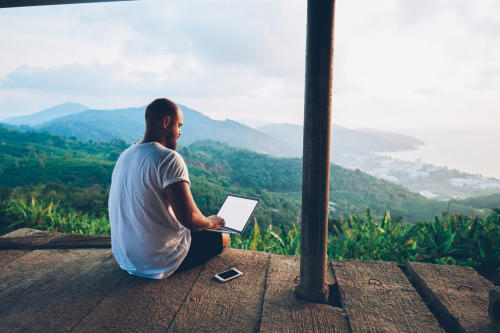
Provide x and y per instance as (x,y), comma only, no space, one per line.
(228,275)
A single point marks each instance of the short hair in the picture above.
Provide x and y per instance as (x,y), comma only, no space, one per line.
(159,108)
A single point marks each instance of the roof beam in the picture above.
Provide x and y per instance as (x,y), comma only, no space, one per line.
(26,3)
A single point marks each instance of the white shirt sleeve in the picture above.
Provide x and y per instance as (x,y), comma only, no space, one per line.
(173,169)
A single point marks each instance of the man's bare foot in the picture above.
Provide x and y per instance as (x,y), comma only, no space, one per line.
(225,240)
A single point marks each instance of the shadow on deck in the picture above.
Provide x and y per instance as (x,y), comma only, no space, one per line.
(83,289)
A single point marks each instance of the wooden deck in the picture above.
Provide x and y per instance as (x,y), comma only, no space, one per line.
(46,286)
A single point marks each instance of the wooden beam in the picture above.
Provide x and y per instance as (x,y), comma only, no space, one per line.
(234,306)
(316,156)
(51,290)
(7,256)
(27,3)
(457,295)
(30,239)
(140,305)
(283,312)
(378,297)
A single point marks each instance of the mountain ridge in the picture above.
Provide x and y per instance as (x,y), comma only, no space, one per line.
(46,114)
(281,140)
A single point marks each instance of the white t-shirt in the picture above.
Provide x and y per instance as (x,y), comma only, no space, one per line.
(146,237)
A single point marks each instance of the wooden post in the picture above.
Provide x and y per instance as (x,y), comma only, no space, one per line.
(316,156)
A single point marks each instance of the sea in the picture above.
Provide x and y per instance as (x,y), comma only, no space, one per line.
(476,152)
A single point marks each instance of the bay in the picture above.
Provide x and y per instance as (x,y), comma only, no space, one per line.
(476,152)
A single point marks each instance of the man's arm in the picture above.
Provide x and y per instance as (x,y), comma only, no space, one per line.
(186,211)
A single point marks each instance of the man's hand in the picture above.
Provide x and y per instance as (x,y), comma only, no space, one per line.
(216,222)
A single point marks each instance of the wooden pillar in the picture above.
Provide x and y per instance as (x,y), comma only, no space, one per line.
(316,156)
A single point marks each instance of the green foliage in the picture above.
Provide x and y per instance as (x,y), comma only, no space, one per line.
(92,200)
(286,242)
(29,159)
(373,239)
(51,217)
(457,239)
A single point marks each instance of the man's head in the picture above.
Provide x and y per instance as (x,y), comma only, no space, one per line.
(164,120)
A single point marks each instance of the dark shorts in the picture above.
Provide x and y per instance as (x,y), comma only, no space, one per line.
(204,245)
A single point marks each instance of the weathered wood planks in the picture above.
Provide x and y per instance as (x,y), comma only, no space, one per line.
(85,290)
(458,295)
(7,256)
(494,306)
(140,305)
(378,297)
(37,239)
(234,306)
(51,290)
(283,312)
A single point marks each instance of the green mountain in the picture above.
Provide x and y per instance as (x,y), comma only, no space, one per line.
(29,159)
(128,124)
(351,191)
(78,173)
(46,115)
(281,140)
(481,203)
(99,125)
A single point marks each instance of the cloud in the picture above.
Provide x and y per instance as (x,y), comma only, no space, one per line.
(71,78)
(236,59)
(429,91)
(487,80)
(179,79)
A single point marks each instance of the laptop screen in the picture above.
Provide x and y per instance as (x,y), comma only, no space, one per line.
(237,210)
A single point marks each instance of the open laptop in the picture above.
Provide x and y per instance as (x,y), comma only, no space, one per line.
(236,211)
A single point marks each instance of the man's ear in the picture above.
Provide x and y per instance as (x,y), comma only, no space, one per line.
(165,122)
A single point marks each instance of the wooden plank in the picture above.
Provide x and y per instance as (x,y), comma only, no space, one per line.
(24,3)
(494,306)
(458,295)
(232,306)
(23,232)
(140,305)
(283,312)
(51,290)
(378,297)
(7,256)
(26,238)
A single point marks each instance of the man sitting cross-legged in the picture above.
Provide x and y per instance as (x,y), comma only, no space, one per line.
(156,227)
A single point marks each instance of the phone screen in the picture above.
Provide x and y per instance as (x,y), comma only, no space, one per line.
(227,274)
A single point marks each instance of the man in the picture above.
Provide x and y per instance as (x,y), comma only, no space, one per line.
(156,227)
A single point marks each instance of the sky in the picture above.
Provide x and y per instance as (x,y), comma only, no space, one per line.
(398,65)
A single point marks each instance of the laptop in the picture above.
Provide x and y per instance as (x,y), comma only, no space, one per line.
(236,211)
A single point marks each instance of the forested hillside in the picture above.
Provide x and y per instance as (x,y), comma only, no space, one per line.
(351,192)
(482,202)
(77,174)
